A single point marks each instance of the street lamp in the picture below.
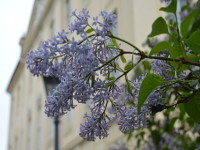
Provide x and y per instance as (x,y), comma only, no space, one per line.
(50,83)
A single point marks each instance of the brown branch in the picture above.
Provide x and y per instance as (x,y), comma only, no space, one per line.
(180,60)
(161,107)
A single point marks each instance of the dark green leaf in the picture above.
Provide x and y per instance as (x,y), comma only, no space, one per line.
(176,52)
(130,102)
(114,42)
(89,30)
(181,108)
(110,46)
(115,67)
(193,107)
(171,8)
(159,27)
(187,23)
(123,59)
(146,66)
(129,66)
(93,79)
(149,84)
(172,122)
(111,83)
(118,67)
(190,122)
(129,87)
(156,136)
(193,58)
(194,42)
(137,71)
(111,78)
(129,136)
(159,47)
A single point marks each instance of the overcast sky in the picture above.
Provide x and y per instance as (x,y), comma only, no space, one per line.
(14,19)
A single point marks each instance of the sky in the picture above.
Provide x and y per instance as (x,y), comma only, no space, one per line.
(14,20)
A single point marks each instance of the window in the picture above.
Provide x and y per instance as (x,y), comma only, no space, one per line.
(115,30)
(68,10)
(18,100)
(40,6)
(51,129)
(52,28)
(29,132)
(39,129)
(69,118)
(16,143)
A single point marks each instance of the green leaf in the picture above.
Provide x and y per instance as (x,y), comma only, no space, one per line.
(194,42)
(93,79)
(111,78)
(110,46)
(182,109)
(159,47)
(159,27)
(193,107)
(129,102)
(118,67)
(171,8)
(193,58)
(123,59)
(129,66)
(146,65)
(187,23)
(156,136)
(129,87)
(129,136)
(89,30)
(149,84)
(176,51)
(111,83)
(172,122)
(114,42)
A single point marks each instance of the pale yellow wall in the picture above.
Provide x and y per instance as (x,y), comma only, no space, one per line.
(134,18)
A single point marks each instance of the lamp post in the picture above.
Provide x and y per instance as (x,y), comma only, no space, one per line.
(50,83)
(56,122)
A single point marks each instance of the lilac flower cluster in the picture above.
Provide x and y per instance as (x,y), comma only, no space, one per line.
(103,28)
(166,141)
(119,145)
(83,67)
(96,125)
(78,64)
(80,23)
(162,68)
(42,61)
(125,108)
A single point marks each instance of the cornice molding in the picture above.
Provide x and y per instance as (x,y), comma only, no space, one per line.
(34,30)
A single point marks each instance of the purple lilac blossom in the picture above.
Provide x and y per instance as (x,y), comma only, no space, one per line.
(119,146)
(109,22)
(96,125)
(166,1)
(98,122)
(60,100)
(127,116)
(80,23)
(75,62)
(166,141)
(163,69)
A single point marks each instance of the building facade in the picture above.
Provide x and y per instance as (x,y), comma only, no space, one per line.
(30,128)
